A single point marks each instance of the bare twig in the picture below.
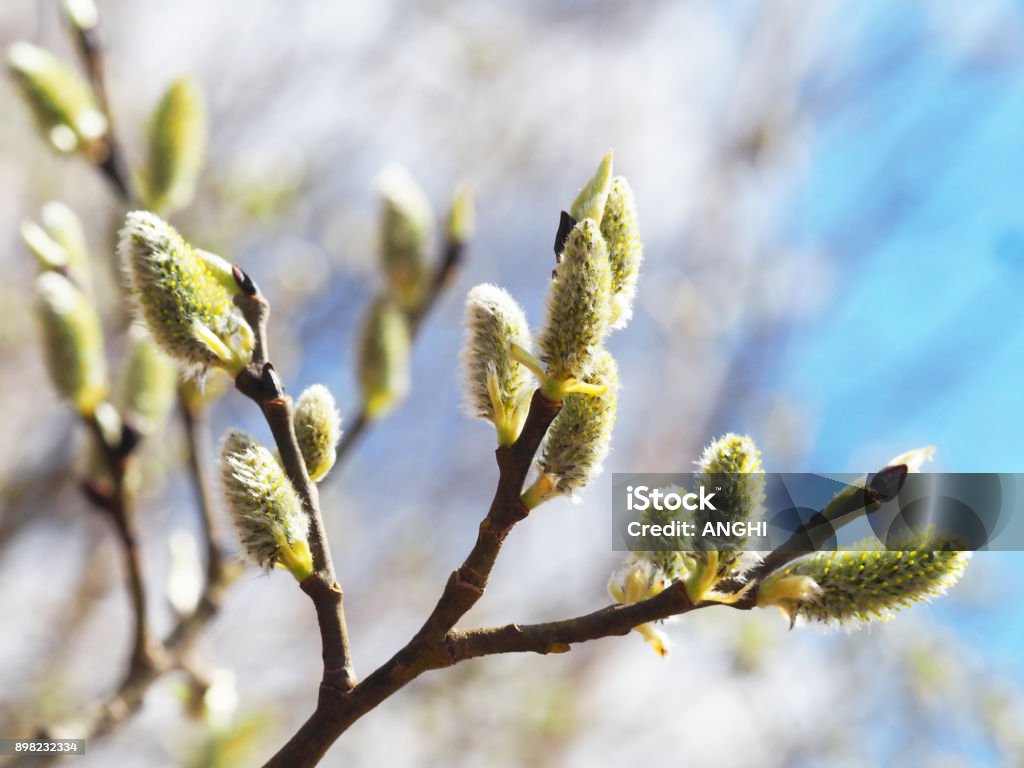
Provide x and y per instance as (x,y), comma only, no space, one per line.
(429,649)
(110,158)
(260,383)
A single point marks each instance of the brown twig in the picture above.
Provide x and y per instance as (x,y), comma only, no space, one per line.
(197,437)
(429,648)
(118,502)
(109,157)
(260,383)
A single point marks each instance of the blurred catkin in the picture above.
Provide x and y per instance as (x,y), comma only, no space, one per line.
(177,147)
(185,295)
(498,388)
(73,341)
(60,243)
(318,430)
(384,351)
(61,101)
(405,224)
(149,383)
(264,506)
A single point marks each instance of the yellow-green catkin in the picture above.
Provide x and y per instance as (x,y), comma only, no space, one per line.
(59,243)
(731,467)
(578,306)
(640,580)
(61,101)
(625,251)
(591,200)
(149,383)
(580,436)
(406,220)
(264,506)
(861,584)
(498,388)
(73,342)
(185,295)
(177,147)
(384,352)
(461,216)
(81,14)
(318,430)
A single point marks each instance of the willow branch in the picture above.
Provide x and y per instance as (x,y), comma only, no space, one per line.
(197,437)
(560,636)
(118,502)
(91,51)
(848,505)
(260,383)
(429,648)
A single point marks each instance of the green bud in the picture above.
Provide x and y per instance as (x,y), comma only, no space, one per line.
(732,465)
(185,295)
(149,385)
(384,352)
(590,202)
(318,429)
(625,251)
(498,388)
(462,216)
(177,146)
(405,224)
(580,436)
(60,99)
(579,305)
(863,583)
(264,506)
(60,244)
(82,14)
(73,341)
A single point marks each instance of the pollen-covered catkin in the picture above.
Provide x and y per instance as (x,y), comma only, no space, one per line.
(185,296)
(625,251)
(732,466)
(498,388)
(264,506)
(580,436)
(384,351)
(579,305)
(177,146)
(61,101)
(406,220)
(866,582)
(72,340)
(318,430)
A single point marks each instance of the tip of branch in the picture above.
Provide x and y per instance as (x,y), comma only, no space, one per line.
(245,283)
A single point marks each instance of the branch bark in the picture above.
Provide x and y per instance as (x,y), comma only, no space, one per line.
(429,648)
(260,383)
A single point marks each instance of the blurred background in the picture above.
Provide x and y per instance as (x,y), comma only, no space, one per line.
(829,197)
